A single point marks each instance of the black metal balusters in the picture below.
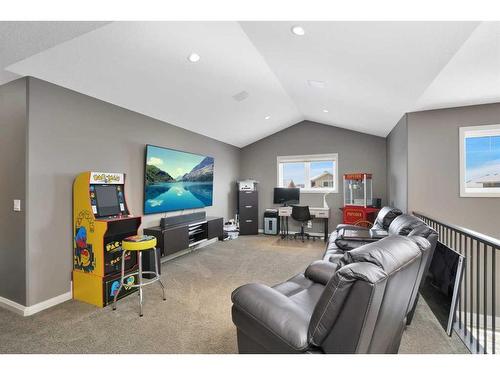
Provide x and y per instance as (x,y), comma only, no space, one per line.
(479,282)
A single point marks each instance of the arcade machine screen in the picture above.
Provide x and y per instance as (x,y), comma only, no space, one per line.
(107,200)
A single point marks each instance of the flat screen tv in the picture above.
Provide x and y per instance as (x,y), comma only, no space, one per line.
(176,180)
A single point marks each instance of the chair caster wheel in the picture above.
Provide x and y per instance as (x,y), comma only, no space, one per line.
(114,308)
(140,315)
(164,299)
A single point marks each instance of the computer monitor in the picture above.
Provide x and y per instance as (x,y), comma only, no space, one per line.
(286,195)
(107,200)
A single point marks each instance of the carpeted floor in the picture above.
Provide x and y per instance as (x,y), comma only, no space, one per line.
(196,318)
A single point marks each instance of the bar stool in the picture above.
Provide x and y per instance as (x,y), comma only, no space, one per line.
(139,244)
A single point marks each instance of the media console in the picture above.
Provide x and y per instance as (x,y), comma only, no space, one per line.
(178,233)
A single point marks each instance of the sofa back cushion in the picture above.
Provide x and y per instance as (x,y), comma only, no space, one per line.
(404,224)
(385,217)
(363,306)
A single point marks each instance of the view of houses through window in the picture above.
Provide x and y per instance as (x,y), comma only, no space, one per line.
(313,172)
(480,160)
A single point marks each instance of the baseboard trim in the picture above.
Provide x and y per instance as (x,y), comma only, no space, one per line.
(12,306)
(33,309)
(188,250)
(291,232)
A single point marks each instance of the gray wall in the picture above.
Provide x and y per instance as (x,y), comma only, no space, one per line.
(13,127)
(357,152)
(70,133)
(434,174)
(397,165)
(434,169)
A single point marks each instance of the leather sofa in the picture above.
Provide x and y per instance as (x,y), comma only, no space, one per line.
(356,302)
(382,222)
(400,224)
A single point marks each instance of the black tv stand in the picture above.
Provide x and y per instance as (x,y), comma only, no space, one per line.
(182,232)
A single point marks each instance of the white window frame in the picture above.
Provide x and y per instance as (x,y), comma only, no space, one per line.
(307,159)
(473,132)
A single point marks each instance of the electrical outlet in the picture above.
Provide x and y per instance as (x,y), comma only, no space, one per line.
(17,205)
(309,224)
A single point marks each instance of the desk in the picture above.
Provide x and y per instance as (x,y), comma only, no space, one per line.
(318,213)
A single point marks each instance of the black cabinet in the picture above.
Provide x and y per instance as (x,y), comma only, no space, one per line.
(177,237)
(248,209)
(215,228)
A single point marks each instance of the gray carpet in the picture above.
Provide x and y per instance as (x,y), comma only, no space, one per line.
(196,318)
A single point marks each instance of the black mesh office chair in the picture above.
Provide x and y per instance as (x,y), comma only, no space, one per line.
(302,214)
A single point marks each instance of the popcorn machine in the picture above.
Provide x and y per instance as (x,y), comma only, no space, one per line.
(358,199)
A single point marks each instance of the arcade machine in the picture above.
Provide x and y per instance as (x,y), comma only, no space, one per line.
(358,200)
(101,220)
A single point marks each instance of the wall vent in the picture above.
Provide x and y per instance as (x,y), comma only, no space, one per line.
(240,96)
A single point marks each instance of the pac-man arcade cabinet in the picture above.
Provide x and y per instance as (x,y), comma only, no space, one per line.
(101,220)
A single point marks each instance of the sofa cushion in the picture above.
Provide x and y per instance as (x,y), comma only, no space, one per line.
(272,320)
(321,271)
(371,265)
(404,224)
(337,290)
(294,285)
(385,217)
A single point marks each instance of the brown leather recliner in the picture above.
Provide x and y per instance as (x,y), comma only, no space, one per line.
(360,309)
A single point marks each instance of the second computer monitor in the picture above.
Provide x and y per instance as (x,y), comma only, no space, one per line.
(286,195)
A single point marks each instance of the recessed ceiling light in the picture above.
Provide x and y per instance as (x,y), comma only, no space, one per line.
(298,30)
(325,110)
(194,57)
(317,84)
(267,117)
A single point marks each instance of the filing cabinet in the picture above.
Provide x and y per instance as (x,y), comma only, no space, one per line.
(248,211)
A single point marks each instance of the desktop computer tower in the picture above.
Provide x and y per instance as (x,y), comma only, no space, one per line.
(271,222)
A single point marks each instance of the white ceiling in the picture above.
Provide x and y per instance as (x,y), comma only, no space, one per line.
(19,40)
(472,76)
(143,66)
(373,72)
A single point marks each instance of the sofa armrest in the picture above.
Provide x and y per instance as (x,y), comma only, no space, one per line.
(321,271)
(275,312)
(349,227)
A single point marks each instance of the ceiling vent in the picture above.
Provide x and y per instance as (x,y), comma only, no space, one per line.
(316,84)
(239,97)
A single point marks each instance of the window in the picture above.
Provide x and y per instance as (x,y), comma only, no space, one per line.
(310,173)
(480,161)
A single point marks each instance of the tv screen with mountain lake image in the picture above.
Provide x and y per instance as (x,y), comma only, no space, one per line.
(176,180)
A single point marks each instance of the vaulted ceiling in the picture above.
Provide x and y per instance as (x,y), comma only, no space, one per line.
(256,78)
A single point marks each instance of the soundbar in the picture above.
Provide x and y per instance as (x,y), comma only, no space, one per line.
(176,220)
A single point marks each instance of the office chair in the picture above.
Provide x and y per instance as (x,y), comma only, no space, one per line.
(301,214)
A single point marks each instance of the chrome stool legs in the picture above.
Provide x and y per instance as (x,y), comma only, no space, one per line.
(159,277)
(139,276)
(140,284)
